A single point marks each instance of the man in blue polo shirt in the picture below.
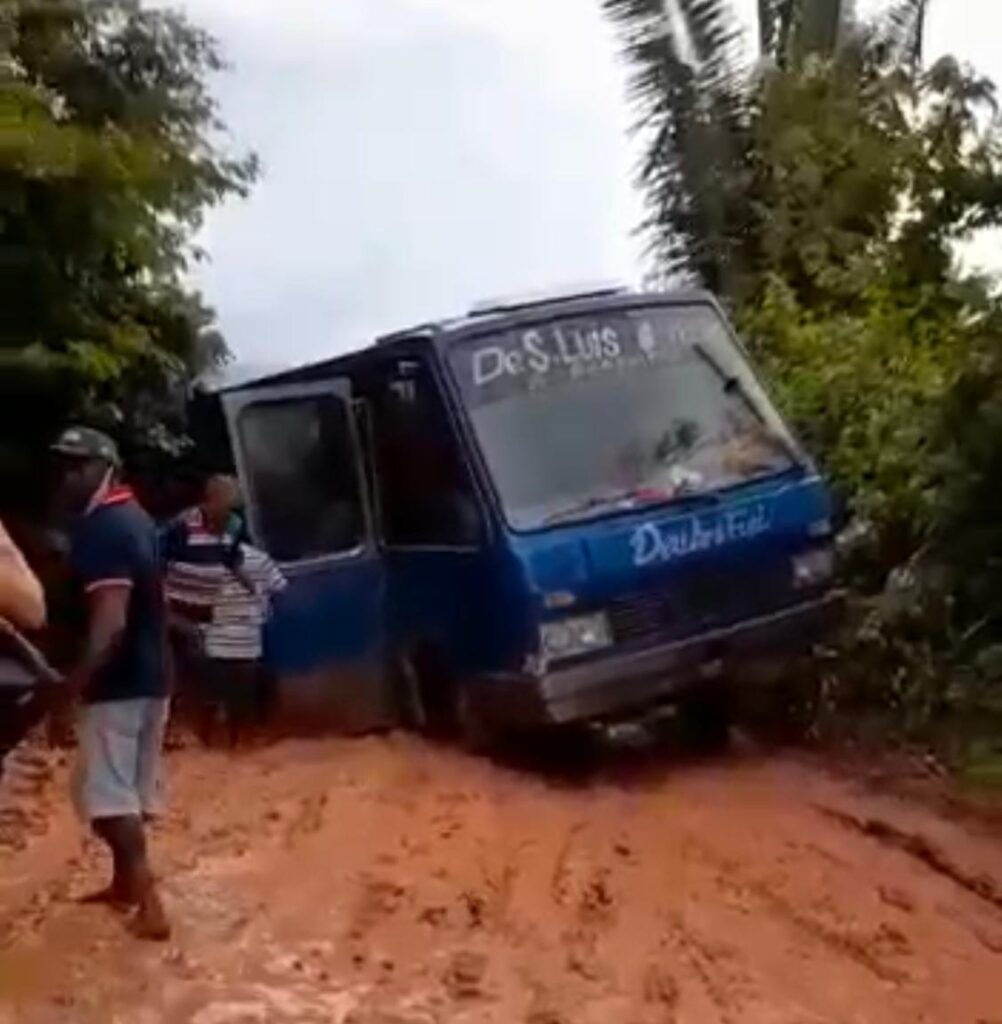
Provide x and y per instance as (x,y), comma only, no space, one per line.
(121,676)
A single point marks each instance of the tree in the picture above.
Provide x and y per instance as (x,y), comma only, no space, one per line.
(703,105)
(112,152)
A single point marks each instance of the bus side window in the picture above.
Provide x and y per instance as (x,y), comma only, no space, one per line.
(303,481)
(426,494)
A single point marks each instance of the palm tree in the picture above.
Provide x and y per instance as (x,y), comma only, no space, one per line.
(698,92)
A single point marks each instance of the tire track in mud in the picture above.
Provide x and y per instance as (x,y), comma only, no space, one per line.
(673,971)
(378,881)
(919,848)
(869,950)
(711,963)
(858,948)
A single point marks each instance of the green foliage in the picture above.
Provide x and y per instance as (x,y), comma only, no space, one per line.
(708,114)
(887,357)
(825,193)
(110,154)
(865,386)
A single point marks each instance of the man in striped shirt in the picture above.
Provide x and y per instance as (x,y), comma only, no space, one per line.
(221,591)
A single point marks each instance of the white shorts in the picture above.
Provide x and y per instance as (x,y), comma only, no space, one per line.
(119,769)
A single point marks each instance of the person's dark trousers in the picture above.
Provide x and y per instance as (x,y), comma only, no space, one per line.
(186,665)
(230,692)
(267,702)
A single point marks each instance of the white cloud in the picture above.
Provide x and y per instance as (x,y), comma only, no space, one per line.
(419,155)
(422,154)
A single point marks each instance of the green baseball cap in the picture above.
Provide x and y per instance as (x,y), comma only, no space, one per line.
(87,443)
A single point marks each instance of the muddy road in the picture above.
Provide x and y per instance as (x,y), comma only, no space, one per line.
(386,881)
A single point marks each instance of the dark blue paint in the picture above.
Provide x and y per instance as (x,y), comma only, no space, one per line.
(595,561)
(331,614)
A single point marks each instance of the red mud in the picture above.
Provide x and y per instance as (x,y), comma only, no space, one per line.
(385,881)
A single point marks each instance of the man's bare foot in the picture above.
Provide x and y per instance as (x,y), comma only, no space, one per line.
(150,920)
(113,896)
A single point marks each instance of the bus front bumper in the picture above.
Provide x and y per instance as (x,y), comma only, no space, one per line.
(621,682)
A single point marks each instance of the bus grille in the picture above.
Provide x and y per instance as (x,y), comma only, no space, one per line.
(699,601)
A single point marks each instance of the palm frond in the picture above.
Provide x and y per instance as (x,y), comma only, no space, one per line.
(689,88)
(634,18)
(699,108)
(712,29)
(903,29)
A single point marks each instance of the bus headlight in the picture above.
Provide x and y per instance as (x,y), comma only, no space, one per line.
(569,638)
(813,568)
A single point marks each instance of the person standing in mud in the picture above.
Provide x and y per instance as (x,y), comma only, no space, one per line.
(219,591)
(199,546)
(121,676)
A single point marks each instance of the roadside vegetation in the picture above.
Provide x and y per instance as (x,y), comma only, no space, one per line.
(825,183)
(111,153)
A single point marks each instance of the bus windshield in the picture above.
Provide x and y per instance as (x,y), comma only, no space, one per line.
(577,416)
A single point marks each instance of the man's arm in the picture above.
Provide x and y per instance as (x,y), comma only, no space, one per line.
(173,539)
(21,598)
(107,612)
(275,578)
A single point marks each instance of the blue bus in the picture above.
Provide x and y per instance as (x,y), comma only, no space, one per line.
(575,509)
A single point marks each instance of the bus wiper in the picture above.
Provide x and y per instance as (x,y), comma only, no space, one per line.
(733,385)
(731,382)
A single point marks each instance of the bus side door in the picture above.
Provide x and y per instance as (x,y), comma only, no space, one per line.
(299,459)
(434,531)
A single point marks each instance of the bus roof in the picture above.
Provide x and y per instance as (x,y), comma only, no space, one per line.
(487,314)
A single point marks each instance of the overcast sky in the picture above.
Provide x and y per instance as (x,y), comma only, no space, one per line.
(420,155)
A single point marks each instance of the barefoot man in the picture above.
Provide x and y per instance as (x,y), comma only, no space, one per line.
(121,677)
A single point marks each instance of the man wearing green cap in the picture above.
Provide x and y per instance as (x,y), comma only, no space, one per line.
(121,676)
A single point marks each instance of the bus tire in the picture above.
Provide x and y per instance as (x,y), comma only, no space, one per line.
(472,729)
(408,696)
(427,693)
(432,701)
(707,717)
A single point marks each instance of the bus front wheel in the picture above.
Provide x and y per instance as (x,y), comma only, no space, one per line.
(431,700)
(707,717)
(473,731)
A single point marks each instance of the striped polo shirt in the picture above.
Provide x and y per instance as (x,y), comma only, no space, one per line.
(223,586)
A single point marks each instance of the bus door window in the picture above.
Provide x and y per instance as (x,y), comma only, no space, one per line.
(303,478)
(426,494)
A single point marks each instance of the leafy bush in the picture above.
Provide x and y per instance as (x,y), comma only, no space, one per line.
(824,192)
(111,154)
